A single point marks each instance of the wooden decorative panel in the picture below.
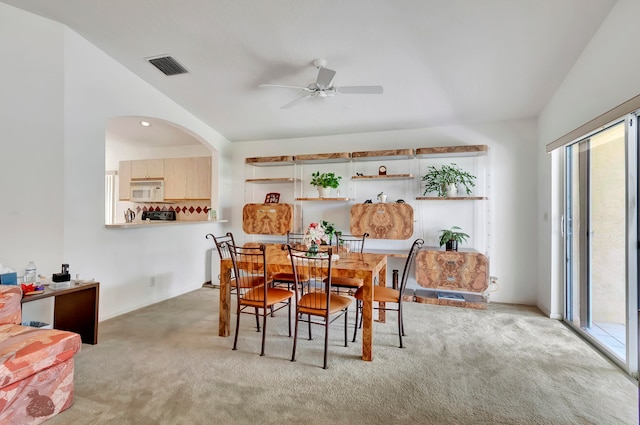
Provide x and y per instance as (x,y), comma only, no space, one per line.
(382,221)
(267,219)
(454,271)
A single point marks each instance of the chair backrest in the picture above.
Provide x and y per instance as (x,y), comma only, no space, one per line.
(351,243)
(222,243)
(417,244)
(317,269)
(295,239)
(249,267)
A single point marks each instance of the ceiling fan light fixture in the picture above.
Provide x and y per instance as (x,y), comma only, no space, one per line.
(320,62)
(323,86)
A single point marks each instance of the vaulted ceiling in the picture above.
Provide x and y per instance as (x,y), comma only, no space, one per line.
(440,62)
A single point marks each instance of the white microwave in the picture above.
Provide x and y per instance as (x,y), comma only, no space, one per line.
(147,191)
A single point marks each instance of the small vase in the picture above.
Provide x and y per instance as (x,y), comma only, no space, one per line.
(324,192)
(382,198)
(313,250)
(451,246)
(452,190)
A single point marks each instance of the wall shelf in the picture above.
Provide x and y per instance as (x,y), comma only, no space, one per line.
(451,198)
(323,158)
(449,151)
(272,180)
(269,161)
(383,155)
(387,176)
(323,199)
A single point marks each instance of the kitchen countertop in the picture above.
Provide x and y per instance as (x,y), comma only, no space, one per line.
(156,223)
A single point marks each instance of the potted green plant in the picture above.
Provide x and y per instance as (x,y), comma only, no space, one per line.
(452,237)
(445,180)
(324,182)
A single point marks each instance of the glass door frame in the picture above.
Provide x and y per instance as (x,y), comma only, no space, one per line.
(632,247)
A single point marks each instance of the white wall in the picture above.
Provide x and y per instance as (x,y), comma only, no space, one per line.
(62,92)
(32,153)
(606,74)
(513,238)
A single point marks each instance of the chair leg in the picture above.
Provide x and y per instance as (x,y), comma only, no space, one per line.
(264,331)
(257,320)
(355,325)
(309,317)
(326,340)
(235,340)
(289,315)
(295,339)
(400,331)
(346,315)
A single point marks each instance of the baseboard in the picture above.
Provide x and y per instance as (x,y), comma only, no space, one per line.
(555,316)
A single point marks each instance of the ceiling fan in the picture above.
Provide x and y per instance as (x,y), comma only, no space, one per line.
(323,86)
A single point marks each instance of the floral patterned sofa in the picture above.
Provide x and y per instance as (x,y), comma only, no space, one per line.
(36,365)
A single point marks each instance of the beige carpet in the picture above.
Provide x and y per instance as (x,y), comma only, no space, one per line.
(165,364)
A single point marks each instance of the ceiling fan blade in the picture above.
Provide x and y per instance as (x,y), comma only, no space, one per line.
(290,104)
(282,86)
(325,76)
(359,90)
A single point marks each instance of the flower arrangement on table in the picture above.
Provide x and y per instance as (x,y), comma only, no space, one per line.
(315,235)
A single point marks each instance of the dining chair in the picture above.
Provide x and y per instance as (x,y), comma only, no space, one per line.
(349,245)
(222,244)
(254,290)
(384,294)
(318,305)
(284,278)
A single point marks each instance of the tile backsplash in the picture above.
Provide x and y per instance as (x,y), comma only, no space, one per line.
(185,211)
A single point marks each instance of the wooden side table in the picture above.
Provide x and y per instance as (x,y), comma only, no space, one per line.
(75,309)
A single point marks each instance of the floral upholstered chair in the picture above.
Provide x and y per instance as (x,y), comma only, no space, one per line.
(36,365)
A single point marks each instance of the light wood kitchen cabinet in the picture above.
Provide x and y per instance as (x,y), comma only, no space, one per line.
(187,178)
(147,169)
(124,180)
(199,178)
(175,178)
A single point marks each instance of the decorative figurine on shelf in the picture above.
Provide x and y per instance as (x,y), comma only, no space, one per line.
(382,171)
(272,198)
(382,197)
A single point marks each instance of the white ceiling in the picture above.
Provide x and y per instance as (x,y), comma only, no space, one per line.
(440,62)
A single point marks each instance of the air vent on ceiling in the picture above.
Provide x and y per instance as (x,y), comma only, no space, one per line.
(168,65)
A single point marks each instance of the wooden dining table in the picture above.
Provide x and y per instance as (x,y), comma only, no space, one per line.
(366,266)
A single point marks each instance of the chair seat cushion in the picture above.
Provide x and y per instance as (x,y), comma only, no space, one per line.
(315,303)
(347,282)
(255,297)
(381,294)
(25,351)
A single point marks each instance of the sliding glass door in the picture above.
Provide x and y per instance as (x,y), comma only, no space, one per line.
(601,240)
